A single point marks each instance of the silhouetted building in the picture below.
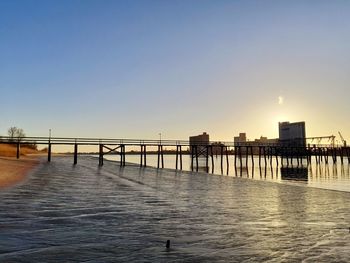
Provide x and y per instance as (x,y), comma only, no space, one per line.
(241,138)
(292,134)
(265,141)
(217,146)
(201,141)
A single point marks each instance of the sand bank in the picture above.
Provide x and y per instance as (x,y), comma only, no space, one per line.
(13,171)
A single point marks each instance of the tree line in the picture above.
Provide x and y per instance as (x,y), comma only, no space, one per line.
(16,134)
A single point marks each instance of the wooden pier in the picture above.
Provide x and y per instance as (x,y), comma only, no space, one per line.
(243,153)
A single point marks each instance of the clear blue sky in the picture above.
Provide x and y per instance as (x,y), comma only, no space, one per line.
(132,69)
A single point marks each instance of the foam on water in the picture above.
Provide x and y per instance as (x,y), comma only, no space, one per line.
(112,214)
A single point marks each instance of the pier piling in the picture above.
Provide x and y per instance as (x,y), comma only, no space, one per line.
(252,155)
(160,156)
(122,155)
(235,157)
(227,162)
(221,158)
(100,159)
(212,158)
(207,158)
(75,153)
(18,150)
(260,155)
(196,152)
(246,155)
(49,152)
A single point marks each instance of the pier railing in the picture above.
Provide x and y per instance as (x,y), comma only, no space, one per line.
(137,142)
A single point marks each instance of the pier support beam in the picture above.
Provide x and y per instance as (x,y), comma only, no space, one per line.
(240,155)
(235,153)
(49,152)
(260,149)
(122,155)
(160,156)
(100,156)
(298,156)
(334,155)
(221,158)
(178,156)
(227,162)
(18,150)
(309,154)
(196,152)
(143,155)
(326,154)
(265,161)
(246,155)
(207,158)
(212,158)
(143,160)
(75,153)
(342,155)
(276,155)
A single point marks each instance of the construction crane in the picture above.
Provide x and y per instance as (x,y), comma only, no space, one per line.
(342,139)
(331,139)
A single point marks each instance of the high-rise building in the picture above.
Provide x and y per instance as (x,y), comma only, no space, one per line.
(292,133)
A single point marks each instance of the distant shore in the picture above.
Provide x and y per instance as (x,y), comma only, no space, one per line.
(14,171)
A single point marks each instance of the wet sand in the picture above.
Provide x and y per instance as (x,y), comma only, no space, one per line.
(14,171)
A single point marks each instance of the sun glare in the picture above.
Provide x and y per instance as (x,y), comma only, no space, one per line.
(280,100)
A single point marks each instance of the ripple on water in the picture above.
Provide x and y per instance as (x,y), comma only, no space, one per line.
(85,213)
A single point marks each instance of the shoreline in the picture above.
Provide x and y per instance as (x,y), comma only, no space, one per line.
(14,171)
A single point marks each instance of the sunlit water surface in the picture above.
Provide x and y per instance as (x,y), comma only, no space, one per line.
(327,176)
(84,213)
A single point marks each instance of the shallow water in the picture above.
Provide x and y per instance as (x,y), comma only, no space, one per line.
(85,213)
(326,176)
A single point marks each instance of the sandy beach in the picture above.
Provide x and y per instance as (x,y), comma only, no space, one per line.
(14,171)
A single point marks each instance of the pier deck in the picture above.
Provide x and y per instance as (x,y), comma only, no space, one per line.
(242,151)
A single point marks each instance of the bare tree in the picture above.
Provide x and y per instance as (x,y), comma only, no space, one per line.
(15,133)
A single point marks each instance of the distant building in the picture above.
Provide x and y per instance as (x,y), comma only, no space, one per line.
(241,138)
(265,140)
(217,146)
(201,141)
(292,134)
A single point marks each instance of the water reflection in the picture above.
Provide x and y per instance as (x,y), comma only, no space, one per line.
(335,176)
(294,173)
